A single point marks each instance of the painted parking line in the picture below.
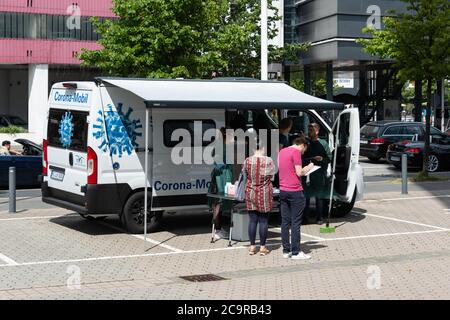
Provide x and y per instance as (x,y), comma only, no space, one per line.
(400,220)
(139,236)
(158,243)
(382,235)
(15,264)
(17,199)
(7,260)
(302,233)
(123,256)
(40,217)
(405,198)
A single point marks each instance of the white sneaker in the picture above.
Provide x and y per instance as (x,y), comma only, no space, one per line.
(287,255)
(220,235)
(301,256)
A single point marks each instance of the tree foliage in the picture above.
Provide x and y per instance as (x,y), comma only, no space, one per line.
(418,41)
(184,38)
(318,87)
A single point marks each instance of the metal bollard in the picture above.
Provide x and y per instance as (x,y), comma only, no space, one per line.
(12,189)
(404,174)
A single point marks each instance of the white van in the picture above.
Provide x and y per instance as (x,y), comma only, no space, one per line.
(94,144)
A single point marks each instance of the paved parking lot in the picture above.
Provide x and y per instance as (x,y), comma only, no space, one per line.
(390,246)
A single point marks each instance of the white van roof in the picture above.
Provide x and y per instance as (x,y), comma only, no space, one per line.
(228,94)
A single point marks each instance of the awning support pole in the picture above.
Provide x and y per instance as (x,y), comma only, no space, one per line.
(146,172)
(264,41)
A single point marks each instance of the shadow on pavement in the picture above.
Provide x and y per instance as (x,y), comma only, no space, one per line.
(86,226)
(310,246)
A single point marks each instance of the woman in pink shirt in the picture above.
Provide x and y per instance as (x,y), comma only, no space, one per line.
(291,197)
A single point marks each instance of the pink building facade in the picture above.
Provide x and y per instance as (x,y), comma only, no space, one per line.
(39,44)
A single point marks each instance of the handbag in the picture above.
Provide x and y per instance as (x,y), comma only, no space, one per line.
(240,190)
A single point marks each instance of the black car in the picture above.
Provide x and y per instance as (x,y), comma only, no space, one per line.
(28,165)
(7,120)
(376,136)
(438,159)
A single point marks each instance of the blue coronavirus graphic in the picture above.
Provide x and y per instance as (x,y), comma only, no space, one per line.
(116,131)
(66,130)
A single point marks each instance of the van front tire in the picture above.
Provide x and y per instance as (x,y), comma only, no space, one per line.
(341,209)
(133,215)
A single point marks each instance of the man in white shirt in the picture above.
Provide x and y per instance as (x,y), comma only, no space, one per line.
(5,150)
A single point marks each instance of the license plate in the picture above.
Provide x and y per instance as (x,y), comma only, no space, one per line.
(395,158)
(57,175)
(364,141)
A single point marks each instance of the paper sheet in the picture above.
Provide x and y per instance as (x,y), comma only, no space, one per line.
(315,168)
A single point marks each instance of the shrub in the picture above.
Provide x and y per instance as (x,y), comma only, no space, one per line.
(12,130)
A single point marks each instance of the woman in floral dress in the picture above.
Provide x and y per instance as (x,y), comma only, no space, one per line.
(259,197)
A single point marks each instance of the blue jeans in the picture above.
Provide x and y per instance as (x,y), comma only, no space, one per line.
(262,219)
(292,206)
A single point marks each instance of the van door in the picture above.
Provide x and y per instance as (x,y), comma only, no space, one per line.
(67,149)
(345,137)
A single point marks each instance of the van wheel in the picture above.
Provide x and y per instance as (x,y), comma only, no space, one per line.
(341,209)
(133,215)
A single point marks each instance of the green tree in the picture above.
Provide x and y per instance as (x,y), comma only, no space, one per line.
(318,87)
(418,41)
(155,38)
(184,38)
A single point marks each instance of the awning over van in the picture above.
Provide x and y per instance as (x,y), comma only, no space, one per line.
(229,94)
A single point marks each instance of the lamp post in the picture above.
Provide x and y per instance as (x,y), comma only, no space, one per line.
(264,42)
(443,105)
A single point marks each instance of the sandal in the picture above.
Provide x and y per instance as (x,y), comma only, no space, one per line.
(252,251)
(264,251)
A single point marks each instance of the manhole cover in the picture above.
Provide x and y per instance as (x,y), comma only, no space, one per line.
(203,278)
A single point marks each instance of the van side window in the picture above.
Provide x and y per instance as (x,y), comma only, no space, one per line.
(169,126)
(78,138)
(344,129)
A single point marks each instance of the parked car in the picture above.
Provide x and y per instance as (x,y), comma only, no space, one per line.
(28,165)
(375,137)
(438,159)
(9,120)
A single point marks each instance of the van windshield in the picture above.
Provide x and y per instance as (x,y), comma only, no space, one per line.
(67,129)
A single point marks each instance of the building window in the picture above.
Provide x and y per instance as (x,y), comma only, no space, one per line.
(18,25)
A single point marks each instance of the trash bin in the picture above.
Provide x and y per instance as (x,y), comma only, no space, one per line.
(241,221)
